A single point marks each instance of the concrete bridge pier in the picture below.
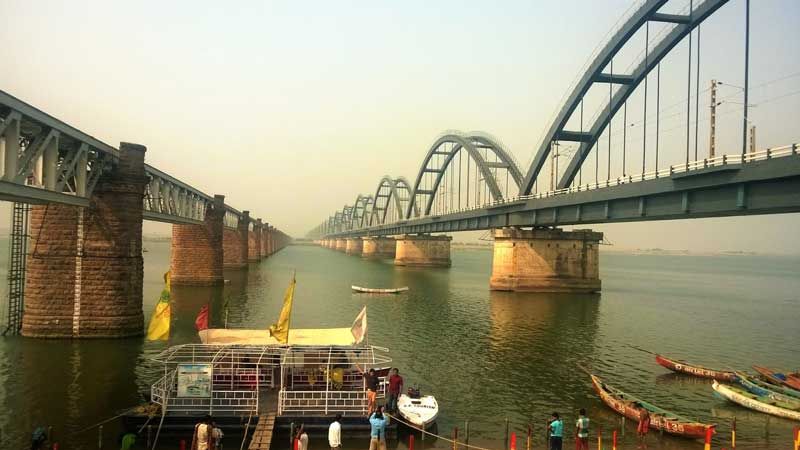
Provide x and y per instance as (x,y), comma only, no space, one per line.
(353,246)
(197,254)
(85,267)
(341,244)
(378,247)
(254,243)
(265,237)
(546,260)
(235,243)
(423,250)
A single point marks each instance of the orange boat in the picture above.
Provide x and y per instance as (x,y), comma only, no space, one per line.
(660,419)
(698,371)
(791,380)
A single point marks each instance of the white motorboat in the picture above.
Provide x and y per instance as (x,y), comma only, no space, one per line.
(420,411)
(379,291)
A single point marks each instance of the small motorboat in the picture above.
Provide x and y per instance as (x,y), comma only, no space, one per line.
(379,291)
(419,410)
(660,419)
(691,369)
(791,380)
(754,402)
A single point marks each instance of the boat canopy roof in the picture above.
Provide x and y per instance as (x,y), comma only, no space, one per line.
(274,354)
(308,336)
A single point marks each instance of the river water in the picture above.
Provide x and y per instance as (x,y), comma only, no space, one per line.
(487,356)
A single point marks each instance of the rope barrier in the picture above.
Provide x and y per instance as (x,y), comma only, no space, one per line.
(436,435)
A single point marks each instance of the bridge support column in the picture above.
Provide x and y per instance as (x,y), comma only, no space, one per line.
(254,243)
(545,260)
(423,250)
(378,247)
(197,254)
(341,245)
(265,241)
(85,267)
(234,244)
(353,246)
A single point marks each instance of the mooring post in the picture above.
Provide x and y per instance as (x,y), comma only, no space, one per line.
(599,439)
(466,432)
(505,440)
(623,427)
(455,438)
(528,439)
(149,436)
(100,437)
(411,441)
(50,433)
(291,435)
(614,440)
(182,444)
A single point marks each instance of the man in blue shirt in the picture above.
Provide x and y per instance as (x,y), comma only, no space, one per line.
(378,423)
(556,430)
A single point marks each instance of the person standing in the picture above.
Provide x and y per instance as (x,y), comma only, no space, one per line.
(556,430)
(582,431)
(216,436)
(201,439)
(371,385)
(395,388)
(335,433)
(302,438)
(377,433)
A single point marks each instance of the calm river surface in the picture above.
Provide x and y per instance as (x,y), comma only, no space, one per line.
(487,356)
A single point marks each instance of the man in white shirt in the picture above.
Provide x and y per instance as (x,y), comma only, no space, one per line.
(335,433)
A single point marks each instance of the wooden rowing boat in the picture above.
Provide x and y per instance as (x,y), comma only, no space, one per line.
(751,386)
(660,419)
(379,291)
(791,380)
(754,402)
(698,371)
(777,388)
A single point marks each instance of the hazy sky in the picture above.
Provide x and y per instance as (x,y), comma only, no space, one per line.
(292,108)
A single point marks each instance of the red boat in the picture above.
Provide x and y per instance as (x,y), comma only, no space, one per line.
(660,419)
(698,371)
(791,380)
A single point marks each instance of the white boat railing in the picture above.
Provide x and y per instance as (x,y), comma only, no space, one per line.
(228,397)
(312,402)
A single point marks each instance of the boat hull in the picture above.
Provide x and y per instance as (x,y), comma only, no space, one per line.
(772,376)
(364,290)
(626,407)
(420,412)
(698,371)
(762,391)
(750,403)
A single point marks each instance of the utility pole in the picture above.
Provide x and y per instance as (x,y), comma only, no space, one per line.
(553,165)
(752,139)
(746,71)
(713,119)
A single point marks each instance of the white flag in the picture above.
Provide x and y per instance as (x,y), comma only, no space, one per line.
(359,328)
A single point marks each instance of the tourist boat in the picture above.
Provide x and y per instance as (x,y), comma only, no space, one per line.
(757,403)
(379,291)
(750,385)
(698,371)
(788,380)
(419,410)
(660,419)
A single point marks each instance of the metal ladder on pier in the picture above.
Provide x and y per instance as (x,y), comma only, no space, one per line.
(17,259)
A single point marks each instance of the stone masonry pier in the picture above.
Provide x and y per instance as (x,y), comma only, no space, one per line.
(545,260)
(378,247)
(197,251)
(353,246)
(235,243)
(423,250)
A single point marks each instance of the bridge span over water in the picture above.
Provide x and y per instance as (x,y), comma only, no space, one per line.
(471,181)
(75,265)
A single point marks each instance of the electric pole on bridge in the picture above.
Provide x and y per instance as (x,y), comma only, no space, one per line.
(713,119)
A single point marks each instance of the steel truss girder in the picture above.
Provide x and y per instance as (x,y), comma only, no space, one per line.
(471,143)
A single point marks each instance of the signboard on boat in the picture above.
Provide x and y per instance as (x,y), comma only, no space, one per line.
(194,380)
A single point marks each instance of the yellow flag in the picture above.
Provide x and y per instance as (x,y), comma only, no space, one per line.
(159,321)
(280,330)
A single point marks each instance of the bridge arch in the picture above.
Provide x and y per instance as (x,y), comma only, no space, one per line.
(472,143)
(361,209)
(647,12)
(390,192)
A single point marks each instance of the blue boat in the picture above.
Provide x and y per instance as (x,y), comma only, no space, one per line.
(751,385)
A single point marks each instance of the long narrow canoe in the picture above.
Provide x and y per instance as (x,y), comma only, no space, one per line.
(777,388)
(749,384)
(379,291)
(660,419)
(698,371)
(791,381)
(754,402)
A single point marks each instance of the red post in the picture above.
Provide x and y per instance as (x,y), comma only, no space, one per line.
(183,444)
(709,432)
(513,445)
(411,442)
(600,440)
(55,446)
(614,440)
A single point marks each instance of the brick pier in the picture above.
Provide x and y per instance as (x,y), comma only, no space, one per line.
(197,254)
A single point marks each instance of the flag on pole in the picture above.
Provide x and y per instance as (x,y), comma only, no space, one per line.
(201,322)
(280,329)
(158,329)
(359,328)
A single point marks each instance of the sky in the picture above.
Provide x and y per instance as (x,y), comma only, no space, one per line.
(291,109)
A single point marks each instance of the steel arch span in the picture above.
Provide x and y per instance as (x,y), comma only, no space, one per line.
(647,12)
(388,192)
(472,143)
(360,210)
